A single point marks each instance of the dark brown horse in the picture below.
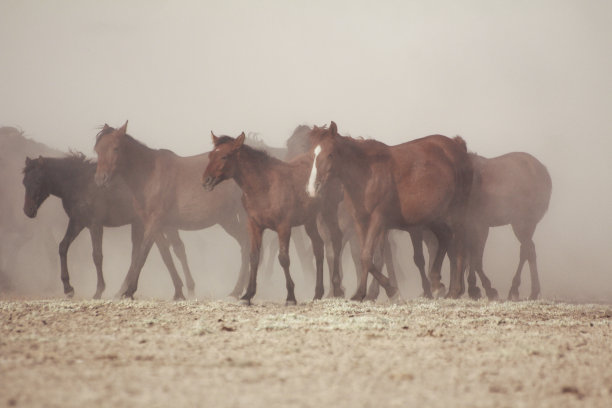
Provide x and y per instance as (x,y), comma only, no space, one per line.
(422,183)
(274,198)
(299,143)
(72,180)
(167,194)
(511,189)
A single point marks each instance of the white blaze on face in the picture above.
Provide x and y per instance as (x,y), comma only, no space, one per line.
(310,188)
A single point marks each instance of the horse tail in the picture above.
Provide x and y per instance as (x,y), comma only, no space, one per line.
(461,142)
(466,175)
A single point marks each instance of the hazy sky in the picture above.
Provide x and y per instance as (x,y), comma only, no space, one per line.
(528,75)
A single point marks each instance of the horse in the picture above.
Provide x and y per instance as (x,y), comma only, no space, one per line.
(300,142)
(167,194)
(298,235)
(513,189)
(422,183)
(71,179)
(274,198)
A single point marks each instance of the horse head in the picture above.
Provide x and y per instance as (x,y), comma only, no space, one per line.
(36,189)
(324,151)
(109,147)
(221,160)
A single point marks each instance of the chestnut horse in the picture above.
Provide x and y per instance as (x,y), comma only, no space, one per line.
(274,198)
(167,194)
(511,189)
(299,143)
(72,180)
(421,183)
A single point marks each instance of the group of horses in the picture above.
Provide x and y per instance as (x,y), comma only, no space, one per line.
(341,189)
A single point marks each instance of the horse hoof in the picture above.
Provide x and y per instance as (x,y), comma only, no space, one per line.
(178,297)
(533,296)
(357,297)
(97,295)
(70,293)
(245,302)
(492,294)
(474,293)
(513,296)
(290,303)
(396,299)
(126,295)
(439,293)
(339,293)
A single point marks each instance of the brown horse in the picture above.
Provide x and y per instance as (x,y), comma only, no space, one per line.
(72,180)
(511,189)
(422,183)
(299,143)
(167,194)
(274,198)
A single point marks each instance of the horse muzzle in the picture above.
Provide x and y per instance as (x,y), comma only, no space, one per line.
(210,182)
(101,179)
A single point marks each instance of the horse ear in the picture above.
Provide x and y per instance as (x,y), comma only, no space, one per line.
(106,127)
(215,139)
(333,128)
(239,141)
(28,161)
(123,129)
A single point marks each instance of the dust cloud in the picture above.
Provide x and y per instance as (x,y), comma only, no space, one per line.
(521,76)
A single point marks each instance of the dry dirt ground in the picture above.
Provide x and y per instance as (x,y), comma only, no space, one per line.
(331,353)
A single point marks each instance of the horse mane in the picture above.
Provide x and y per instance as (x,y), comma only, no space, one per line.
(105,131)
(259,155)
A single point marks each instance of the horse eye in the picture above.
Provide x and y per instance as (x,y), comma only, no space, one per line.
(224,157)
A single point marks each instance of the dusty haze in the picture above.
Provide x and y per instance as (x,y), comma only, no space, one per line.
(507,76)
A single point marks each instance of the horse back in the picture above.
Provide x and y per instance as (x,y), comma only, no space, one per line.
(510,188)
(433,178)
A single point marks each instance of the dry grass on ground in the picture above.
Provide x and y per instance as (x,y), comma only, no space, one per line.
(332,353)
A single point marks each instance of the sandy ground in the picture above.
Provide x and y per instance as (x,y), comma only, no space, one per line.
(331,353)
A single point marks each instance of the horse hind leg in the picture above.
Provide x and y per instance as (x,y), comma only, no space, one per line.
(527,253)
(179,250)
(419,260)
(164,250)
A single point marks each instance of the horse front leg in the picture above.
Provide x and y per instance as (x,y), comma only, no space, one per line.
(330,219)
(318,251)
(96,242)
(255,233)
(284,235)
(238,230)
(372,242)
(73,230)
(139,257)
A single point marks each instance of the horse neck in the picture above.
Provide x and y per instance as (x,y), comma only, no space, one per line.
(250,172)
(62,180)
(354,170)
(138,164)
